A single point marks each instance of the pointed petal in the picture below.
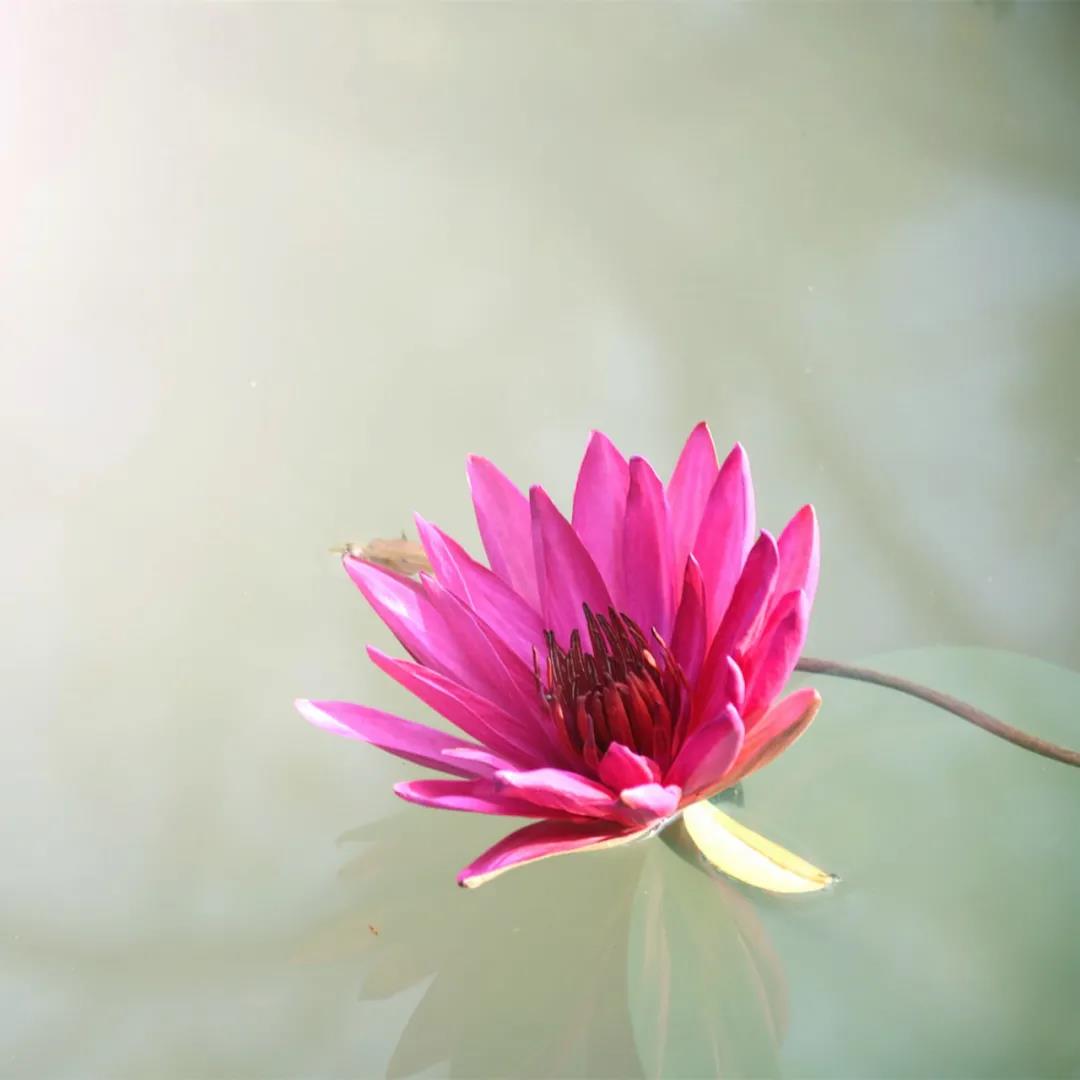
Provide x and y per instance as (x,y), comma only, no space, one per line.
(750,599)
(413,742)
(777,730)
(721,685)
(744,617)
(600,507)
(769,666)
(543,840)
(559,789)
(735,685)
(495,602)
(800,555)
(479,659)
(621,768)
(744,855)
(401,604)
(470,796)
(688,492)
(707,756)
(726,533)
(568,577)
(476,716)
(689,637)
(502,515)
(657,801)
(648,562)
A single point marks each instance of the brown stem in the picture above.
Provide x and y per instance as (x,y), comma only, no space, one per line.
(944,701)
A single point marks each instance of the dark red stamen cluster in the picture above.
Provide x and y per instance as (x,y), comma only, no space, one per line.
(618,692)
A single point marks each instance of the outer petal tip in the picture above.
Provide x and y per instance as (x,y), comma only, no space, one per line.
(315,716)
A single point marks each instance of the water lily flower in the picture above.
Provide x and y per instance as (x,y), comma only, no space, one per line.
(608,670)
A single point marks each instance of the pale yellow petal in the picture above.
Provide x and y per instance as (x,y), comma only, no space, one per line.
(744,855)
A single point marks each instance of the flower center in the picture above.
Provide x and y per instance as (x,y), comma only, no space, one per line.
(616,692)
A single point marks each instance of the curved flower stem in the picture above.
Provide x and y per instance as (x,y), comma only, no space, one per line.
(944,701)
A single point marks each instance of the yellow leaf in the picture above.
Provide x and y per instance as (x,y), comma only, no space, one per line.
(744,855)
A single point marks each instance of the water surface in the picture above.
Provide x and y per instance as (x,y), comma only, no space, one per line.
(268,273)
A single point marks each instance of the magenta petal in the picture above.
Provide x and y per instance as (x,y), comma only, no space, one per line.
(541,841)
(495,602)
(726,533)
(600,506)
(568,577)
(657,801)
(773,659)
(402,605)
(502,514)
(648,588)
(777,730)
(734,684)
(707,755)
(621,768)
(503,732)
(689,636)
(471,796)
(486,762)
(477,657)
(688,492)
(558,789)
(749,602)
(721,684)
(413,742)
(800,555)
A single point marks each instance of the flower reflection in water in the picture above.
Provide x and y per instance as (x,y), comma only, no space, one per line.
(633,963)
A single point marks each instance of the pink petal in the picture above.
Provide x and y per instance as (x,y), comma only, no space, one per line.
(800,555)
(471,796)
(621,768)
(726,533)
(441,633)
(558,789)
(489,762)
(735,684)
(721,684)
(502,514)
(542,840)
(648,588)
(769,666)
(495,602)
(503,732)
(744,617)
(707,755)
(413,742)
(688,492)
(479,659)
(777,730)
(688,638)
(567,575)
(600,506)
(401,604)
(657,801)
(750,599)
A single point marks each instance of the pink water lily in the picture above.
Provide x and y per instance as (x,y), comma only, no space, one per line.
(605,671)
